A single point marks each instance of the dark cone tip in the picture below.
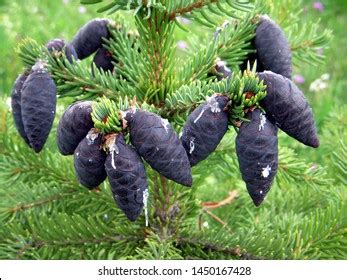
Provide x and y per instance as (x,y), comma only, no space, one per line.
(132,218)
(315,143)
(257,201)
(256,194)
(36,149)
(187,183)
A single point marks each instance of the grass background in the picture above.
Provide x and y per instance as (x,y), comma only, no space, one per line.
(44,20)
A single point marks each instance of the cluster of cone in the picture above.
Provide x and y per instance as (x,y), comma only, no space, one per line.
(33,97)
(285,107)
(97,155)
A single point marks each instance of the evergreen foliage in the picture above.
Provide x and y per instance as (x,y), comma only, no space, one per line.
(46,214)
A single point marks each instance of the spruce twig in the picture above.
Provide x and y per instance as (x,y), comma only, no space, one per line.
(23,207)
(208,246)
(190,8)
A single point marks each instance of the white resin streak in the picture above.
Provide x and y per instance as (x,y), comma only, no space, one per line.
(191,145)
(114,149)
(215,107)
(91,136)
(200,115)
(145,205)
(262,121)
(165,123)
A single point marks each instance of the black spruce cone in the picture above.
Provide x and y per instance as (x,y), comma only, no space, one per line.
(38,106)
(17,107)
(273,51)
(60,45)
(156,141)
(89,160)
(89,38)
(287,106)
(73,126)
(127,176)
(205,128)
(257,152)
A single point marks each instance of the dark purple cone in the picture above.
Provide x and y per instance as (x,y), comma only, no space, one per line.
(38,106)
(89,160)
(60,45)
(55,45)
(205,128)
(74,126)
(257,152)
(16,105)
(156,141)
(127,176)
(89,38)
(103,59)
(273,49)
(287,106)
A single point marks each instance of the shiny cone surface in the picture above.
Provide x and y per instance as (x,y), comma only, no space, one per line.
(272,49)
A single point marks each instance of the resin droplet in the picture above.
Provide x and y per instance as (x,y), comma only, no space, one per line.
(262,121)
(165,124)
(214,105)
(114,149)
(145,205)
(200,115)
(91,136)
(192,145)
(266,171)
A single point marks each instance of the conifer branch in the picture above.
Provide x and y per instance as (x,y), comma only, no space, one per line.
(310,44)
(190,8)
(23,207)
(156,36)
(73,79)
(209,246)
(37,244)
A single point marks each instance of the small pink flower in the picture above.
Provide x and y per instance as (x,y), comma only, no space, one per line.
(184,20)
(182,45)
(82,9)
(313,167)
(318,6)
(320,51)
(298,79)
